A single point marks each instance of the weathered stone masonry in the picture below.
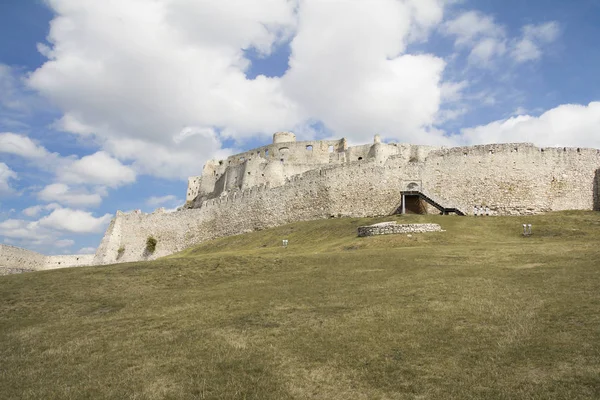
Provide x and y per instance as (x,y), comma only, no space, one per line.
(292,181)
(393,228)
(17,259)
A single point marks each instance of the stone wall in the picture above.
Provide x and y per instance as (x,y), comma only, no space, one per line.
(15,259)
(597,191)
(76,260)
(513,179)
(391,228)
(510,179)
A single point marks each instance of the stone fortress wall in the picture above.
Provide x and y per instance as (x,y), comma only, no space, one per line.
(290,181)
(17,259)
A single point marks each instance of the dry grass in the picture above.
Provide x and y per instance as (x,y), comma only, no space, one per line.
(477,312)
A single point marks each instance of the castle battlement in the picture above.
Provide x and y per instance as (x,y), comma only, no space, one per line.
(288,181)
(284,159)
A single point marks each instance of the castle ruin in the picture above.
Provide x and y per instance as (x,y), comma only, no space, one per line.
(289,181)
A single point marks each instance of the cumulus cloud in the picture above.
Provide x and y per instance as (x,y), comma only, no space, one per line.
(470,26)
(348,69)
(64,243)
(488,40)
(6,175)
(173,64)
(76,221)
(97,169)
(87,250)
(16,101)
(63,194)
(529,47)
(568,125)
(29,231)
(34,211)
(21,145)
(47,233)
(156,201)
(175,85)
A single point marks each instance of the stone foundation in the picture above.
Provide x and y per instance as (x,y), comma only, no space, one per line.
(391,228)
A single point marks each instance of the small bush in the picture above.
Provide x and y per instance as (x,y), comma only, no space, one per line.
(120,252)
(151,244)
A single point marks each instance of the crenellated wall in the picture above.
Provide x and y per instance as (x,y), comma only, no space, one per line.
(513,178)
(271,164)
(507,178)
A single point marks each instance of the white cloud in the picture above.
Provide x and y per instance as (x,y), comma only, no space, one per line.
(76,221)
(63,243)
(6,175)
(22,146)
(174,85)
(348,69)
(97,169)
(470,26)
(87,250)
(546,32)
(568,125)
(46,234)
(486,49)
(488,40)
(63,194)
(16,102)
(173,64)
(34,211)
(529,47)
(155,201)
(29,231)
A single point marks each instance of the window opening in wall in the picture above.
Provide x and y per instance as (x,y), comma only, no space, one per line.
(248,172)
(221,162)
(309,148)
(359,158)
(331,149)
(266,153)
(282,160)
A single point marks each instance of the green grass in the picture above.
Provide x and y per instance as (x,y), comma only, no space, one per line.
(476,312)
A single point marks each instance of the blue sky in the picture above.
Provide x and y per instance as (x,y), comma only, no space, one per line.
(109,106)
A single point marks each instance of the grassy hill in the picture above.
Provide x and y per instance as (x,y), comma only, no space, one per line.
(476,312)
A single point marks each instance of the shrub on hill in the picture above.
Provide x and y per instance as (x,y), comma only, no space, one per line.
(151,244)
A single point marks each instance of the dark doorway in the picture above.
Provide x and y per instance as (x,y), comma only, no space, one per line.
(414,205)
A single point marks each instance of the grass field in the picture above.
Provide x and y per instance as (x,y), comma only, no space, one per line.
(476,312)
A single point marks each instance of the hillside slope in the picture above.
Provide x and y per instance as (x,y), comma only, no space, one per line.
(476,312)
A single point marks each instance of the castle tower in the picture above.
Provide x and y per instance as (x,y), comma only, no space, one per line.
(377,139)
(283,137)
